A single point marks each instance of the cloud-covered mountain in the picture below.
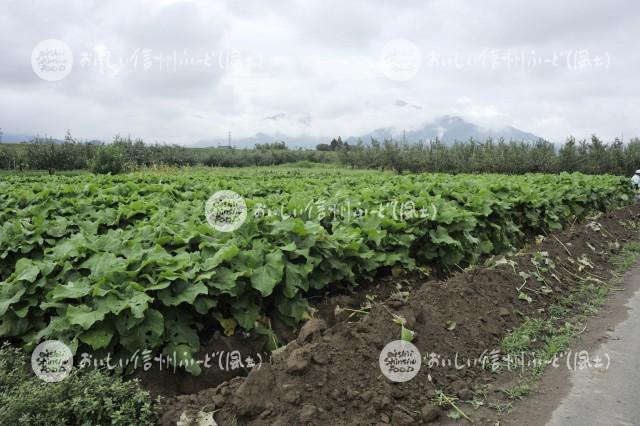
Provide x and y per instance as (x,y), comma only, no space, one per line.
(448,129)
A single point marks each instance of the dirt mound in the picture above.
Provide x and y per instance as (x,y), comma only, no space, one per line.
(332,375)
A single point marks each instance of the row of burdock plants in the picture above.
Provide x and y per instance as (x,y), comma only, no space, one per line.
(119,264)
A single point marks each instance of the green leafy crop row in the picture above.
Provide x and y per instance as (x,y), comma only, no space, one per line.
(127,263)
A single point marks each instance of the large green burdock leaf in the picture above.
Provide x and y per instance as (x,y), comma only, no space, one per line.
(138,304)
(72,290)
(90,228)
(245,312)
(265,278)
(145,334)
(26,270)
(98,337)
(111,303)
(69,248)
(12,325)
(450,256)
(226,253)
(225,280)
(182,292)
(83,316)
(10,293)
(203,305)
(441,236)
(102,264)
(295,308)
(296,278)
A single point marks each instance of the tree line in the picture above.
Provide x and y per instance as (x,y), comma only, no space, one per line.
(126,154)
(592,156)
(123,154)
(587,156)
(265,157)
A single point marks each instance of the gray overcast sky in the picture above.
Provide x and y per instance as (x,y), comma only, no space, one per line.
(182,71)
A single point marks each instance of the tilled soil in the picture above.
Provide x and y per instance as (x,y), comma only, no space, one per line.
(331,374)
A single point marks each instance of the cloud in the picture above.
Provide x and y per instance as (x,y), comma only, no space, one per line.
(186,70)
(276,117)
(401,104)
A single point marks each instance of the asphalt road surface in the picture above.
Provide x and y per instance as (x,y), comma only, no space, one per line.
(608,394)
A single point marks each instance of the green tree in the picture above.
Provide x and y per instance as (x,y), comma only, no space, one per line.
(108,159)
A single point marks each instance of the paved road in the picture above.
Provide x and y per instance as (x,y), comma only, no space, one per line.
(596,396)
(608,396)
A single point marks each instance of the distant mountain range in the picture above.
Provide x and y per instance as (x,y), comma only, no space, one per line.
(304,141)
(15,138)
(448,129)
